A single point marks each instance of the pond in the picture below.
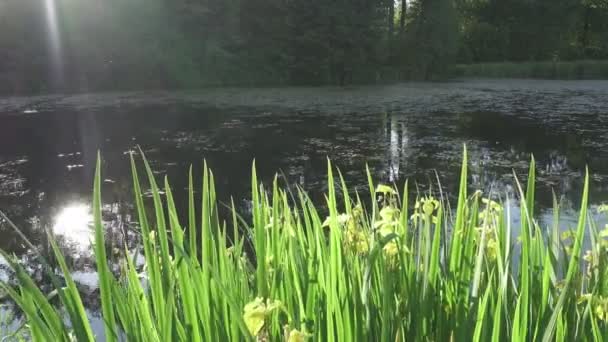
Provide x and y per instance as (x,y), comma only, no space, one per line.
(49,144)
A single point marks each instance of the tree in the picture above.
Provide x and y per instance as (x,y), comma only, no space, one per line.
(592,37)
(434,39)
(116,44)
(402,15)
(331,42)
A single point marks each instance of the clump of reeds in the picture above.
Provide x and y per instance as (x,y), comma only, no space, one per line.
(399,269)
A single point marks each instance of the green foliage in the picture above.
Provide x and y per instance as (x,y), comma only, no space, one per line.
(135,44)
(586,69)
(434,38)
(396,272)
(522,30)
(126,44)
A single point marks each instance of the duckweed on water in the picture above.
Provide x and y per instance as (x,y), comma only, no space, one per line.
(394,271)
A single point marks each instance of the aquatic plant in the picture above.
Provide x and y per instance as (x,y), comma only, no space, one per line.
(387,269)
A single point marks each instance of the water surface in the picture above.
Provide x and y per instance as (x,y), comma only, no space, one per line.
(49,144)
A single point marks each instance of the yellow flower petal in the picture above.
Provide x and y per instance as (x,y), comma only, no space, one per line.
(298,336)
(385,189)
(256,312)
(389,213)
(254,316)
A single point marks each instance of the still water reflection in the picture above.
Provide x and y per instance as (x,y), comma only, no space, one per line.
(74,226)
(49,144)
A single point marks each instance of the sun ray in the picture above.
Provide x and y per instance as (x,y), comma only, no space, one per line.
(54,41)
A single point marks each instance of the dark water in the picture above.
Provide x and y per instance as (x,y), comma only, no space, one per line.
(48,145)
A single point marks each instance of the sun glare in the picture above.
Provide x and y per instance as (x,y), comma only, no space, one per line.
(74,224)
(54,39)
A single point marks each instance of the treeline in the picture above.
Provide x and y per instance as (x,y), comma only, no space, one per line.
(54,45)
(533,30)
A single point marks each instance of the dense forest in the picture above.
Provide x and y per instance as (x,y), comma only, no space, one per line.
(82,45)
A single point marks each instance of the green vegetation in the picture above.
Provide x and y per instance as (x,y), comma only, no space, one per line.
(576,70)
(87,45)
(401,269)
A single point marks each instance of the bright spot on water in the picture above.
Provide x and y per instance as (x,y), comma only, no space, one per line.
(74,166)
(4,278)
(140,259)
(74,224)
(88,279)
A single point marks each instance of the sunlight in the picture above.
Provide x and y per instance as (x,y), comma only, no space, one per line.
(54,40)
(74,224)
(4,277)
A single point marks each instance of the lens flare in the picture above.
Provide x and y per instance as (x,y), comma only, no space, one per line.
(54,41)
